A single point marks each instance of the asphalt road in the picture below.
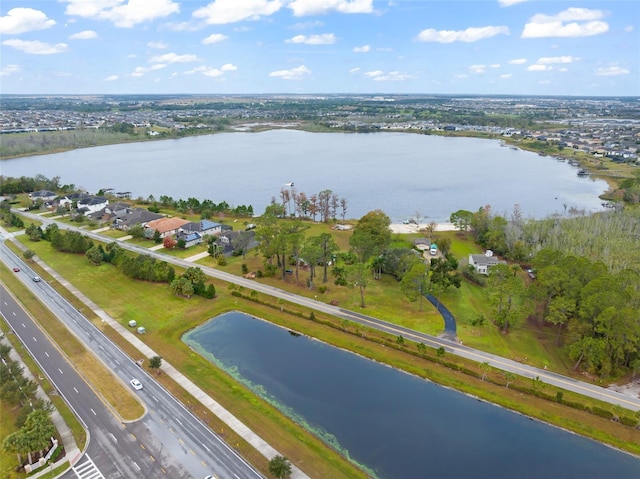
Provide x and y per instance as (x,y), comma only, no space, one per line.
(167,442)
(452,347)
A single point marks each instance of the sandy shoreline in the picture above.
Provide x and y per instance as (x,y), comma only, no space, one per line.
(413,228)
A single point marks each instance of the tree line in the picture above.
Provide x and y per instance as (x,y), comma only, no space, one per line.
(34,428)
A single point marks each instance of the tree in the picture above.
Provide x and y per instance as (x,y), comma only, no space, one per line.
(137,231)
(509,377)
(358,275)
(486,368)
(279,467)
(34,232)
(444,273)
(506,294)
(155,362)
(157,237)
(461,219)
(242,241)
(414,283)
(95,255)
(371,236)
(28,254)
(169,242)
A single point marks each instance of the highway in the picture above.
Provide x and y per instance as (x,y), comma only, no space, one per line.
(168,441)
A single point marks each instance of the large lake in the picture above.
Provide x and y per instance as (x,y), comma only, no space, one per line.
(397,425)
(399,173)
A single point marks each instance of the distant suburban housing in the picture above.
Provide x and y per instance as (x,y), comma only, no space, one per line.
(482,262)
(42,195)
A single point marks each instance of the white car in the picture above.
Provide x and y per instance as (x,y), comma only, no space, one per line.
(137,385)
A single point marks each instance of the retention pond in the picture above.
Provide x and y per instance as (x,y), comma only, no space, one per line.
(393,424)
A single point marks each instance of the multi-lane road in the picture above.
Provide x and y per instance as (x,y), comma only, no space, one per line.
(168,441)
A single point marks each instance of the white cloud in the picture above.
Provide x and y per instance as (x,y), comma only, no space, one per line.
(518,61)
(354,70)
(22,20)
(478,68)
(141,71)
(218,72)
(628,29)
(538,68)
(322,39)
(297,73)
(506,76)
(9,70)
(157,45)
(362,49)
(230,11)
(471,34)
(508,3)
(214,38)
(84,35)
(174,58)
(552,60)
(611,71)
(379,75)
(35,47)
(123,13)
(302,8)
(132,55)
(572,22)
(111,78)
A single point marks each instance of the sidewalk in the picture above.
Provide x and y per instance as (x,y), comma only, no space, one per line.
(71,449)
(207,401)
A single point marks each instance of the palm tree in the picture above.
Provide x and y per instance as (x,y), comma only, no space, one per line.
(280,467)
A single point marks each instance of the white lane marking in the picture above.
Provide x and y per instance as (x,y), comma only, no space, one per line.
(135,464)
(155,399)
(60,371)
(46,354)
(94,413)
(34,338)
(23,325)
(77,392)
(14,313)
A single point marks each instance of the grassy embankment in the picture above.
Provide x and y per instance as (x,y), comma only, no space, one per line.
(167,318)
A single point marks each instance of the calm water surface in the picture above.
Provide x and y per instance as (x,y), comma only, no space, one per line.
(400,173)
(397,425)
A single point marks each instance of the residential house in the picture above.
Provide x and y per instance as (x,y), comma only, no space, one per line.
(68,200)
(42,195)
(134,216)
(203,228)
(166,226)
(190,239)
(482,262)
(91,204)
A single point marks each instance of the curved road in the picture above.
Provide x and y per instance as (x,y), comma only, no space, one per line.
(452,347)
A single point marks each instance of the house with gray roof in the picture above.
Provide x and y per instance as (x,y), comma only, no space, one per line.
(134,216)
(483,262)
(203,227)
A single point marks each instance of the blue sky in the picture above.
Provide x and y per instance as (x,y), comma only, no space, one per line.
(582,47)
